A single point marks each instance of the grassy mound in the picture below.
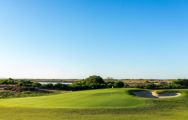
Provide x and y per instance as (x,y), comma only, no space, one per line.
(108,98)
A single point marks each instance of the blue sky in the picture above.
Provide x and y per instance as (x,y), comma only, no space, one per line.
(78,38)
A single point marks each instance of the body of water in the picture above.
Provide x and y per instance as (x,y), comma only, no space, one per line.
(44,83)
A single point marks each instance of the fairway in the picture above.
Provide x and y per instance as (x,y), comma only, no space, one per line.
(111,104)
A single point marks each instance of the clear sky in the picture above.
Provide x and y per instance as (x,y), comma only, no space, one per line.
(78,38)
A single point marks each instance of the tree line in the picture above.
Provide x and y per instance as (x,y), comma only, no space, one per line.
(92,82)
(175,84)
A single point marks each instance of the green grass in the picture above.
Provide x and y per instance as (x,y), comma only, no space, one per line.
(105,98)
(111,104)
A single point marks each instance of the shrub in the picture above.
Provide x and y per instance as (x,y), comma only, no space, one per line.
(151,86)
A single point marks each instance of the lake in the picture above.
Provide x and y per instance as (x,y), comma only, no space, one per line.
(65,83)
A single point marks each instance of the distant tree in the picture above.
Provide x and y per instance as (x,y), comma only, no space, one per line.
(110,84)
(174,86)
(94,80)
(119,84)
(48,86)
(182,82)
(151,86)
(58,86)
(25,83)
(8,81)
(36,84)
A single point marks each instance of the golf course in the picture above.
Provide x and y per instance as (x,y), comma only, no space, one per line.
(93,60)
(100,104)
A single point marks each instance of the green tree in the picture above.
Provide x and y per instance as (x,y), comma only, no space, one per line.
(36,84)
(119,84)
(94,80)
(182,82)
(151,86)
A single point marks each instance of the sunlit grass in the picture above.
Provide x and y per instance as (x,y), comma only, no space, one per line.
(110,104)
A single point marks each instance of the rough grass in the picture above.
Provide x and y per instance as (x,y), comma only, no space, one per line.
(110,104)
(4,94)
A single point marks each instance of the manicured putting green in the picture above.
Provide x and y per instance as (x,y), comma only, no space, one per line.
(103,98)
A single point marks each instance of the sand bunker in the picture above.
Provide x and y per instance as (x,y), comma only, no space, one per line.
(154,94)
